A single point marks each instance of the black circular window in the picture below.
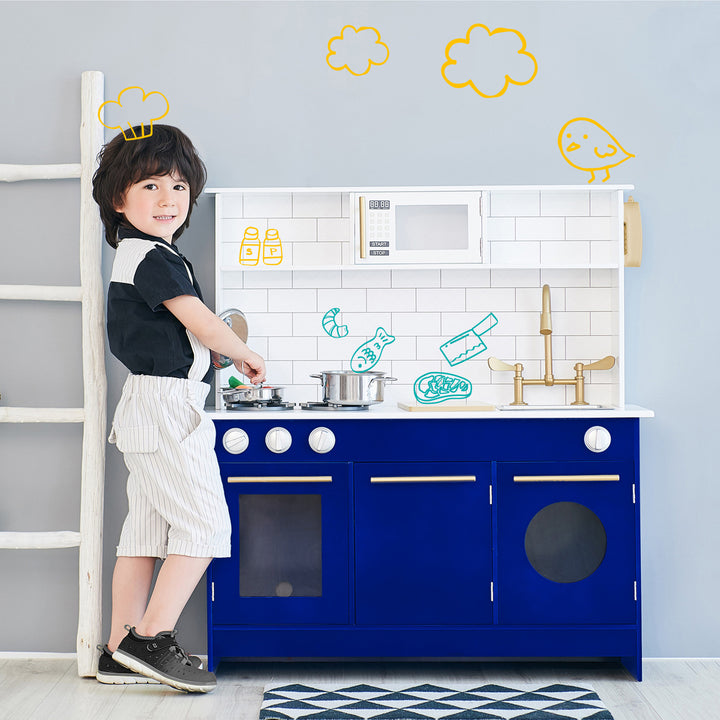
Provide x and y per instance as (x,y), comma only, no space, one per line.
(565,542)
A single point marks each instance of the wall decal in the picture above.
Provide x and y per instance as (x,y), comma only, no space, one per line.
(272,252)
(368,354)
(357,50)
(587,145)
(330,325)
(436,387)
(489,61)
(134,107)
(468,344)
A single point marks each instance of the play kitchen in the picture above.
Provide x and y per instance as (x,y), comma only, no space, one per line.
(468,531)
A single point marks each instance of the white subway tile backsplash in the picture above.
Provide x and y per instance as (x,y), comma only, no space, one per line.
(233,229)
(565,253)
(456,323)
(565,203)
(517,323)
(265,324)
(407,371)
(316,278)
(347,299)
(588,348)
(275,205)
(515,278)
(232,205)
(291,230)
(294,300)
(269,279)
(403,347)
(470,278)
(428,347)
(604,323)
(500,229)
(317,205)
(415,278)
(247,300)
(540,228)
(292,348)
(603,202)
(515,253)
(391,299)
(334,230)
(500,346)
(336,350)
(590,228)
(416,324)
(603,277)
(310,324)
(514,203)
(575,277)
(440,300)
(570,323)
(323,254)
(605,253)
(589,299)
(366,278)
(363,326)
(490,299)
(281,371)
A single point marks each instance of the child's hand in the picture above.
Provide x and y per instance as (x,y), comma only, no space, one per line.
(252,366)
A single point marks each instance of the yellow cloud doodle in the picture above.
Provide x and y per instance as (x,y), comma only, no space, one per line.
(357,50)
(134,107)
(488,61)
(587,145)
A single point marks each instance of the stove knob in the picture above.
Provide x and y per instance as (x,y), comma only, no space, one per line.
(597,439)
(322,440)
(236,441)
(278,440)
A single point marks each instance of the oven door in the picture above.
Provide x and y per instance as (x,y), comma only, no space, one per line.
(418,227)
(289,562)
(566,547)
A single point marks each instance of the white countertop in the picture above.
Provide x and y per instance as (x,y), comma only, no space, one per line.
(387,411)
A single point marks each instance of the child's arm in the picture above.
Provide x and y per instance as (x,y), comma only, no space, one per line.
(212,332)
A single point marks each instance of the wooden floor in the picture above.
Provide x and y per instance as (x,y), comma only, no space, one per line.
(49,689)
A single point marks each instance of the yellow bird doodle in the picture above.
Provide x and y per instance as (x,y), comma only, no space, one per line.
(587,145)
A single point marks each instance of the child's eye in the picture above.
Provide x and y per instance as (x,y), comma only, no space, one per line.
(180,187)
(150,186)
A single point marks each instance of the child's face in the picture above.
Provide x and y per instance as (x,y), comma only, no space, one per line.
(157,205)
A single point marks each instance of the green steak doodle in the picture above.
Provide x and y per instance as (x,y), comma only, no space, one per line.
(435,387)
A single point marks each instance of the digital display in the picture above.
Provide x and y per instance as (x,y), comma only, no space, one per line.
(379,204)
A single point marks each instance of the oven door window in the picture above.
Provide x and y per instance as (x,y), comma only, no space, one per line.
(280,545)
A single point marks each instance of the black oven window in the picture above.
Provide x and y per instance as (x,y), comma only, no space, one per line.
(565,542)
(280,545)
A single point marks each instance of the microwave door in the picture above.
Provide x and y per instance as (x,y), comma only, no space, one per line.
(432,229)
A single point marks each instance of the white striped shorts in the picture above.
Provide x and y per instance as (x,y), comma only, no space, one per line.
(176,503)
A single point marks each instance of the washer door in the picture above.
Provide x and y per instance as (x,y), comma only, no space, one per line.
(566,543)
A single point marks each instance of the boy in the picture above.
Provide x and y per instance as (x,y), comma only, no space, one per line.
(160,329)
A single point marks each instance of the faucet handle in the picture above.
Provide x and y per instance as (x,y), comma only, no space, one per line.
(496,364)
(605,364)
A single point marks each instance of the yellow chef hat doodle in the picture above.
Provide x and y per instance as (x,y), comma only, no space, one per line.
(134,107)
(357,50)
(488,61)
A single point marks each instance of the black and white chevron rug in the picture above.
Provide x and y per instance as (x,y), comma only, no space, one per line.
(412,701)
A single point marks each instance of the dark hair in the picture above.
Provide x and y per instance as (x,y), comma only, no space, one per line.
(123,163)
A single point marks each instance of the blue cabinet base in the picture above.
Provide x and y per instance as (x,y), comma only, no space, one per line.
(297,643)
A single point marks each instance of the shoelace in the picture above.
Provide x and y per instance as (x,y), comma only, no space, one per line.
(179,652)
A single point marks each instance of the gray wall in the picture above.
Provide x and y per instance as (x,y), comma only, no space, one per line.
(249,83)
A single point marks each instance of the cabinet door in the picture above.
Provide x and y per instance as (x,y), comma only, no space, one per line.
(423,538)
(566,543)
(290,545)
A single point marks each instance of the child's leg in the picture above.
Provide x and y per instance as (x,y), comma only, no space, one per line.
(130,589)
(178,577)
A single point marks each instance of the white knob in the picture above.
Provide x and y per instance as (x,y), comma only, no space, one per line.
(597,439)
(278,440)
(322,440)
(236,441)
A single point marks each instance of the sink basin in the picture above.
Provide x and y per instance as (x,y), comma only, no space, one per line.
(553,407)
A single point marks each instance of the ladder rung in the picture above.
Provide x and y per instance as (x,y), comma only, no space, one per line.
(39,540)
(41,292)
(14,173)
(41,415)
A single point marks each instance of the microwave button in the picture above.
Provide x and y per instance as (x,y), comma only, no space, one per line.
(379,243)
(379,252)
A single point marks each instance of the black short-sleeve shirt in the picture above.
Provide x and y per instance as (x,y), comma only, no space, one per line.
(143,334)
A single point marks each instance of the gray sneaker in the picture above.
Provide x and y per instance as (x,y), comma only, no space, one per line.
(161,658)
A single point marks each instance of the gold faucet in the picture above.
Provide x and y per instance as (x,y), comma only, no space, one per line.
(548,379)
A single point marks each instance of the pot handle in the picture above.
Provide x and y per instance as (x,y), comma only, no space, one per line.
(384,378)
(319,377)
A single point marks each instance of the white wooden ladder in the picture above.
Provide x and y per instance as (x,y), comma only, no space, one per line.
(93,412)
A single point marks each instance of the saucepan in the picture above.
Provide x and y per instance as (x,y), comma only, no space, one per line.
(237,322)
(342,387)
(253,393)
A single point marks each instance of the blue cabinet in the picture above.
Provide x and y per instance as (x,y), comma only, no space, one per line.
(497,537)
(423,543)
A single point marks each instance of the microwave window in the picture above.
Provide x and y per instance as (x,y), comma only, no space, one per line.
(431,227)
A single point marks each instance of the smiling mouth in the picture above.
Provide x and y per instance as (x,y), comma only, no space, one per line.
(164,217)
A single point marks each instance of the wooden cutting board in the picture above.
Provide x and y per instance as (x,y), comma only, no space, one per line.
(442,407)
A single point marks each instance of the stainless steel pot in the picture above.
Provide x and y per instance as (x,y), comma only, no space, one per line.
(238,324)
(350,388)
(253,393)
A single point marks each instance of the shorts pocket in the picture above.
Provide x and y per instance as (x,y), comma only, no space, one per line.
(143,439)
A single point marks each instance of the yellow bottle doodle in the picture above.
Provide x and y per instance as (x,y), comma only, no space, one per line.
(272,247)
(368,354)
(250,247)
